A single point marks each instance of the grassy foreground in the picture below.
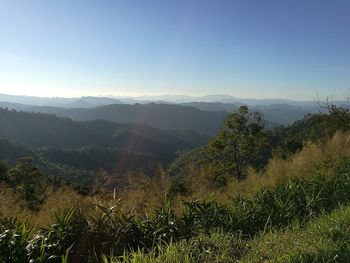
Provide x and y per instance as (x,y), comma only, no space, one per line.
(325,239)
(300,215)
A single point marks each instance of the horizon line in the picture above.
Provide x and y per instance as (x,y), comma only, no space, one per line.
(115,96)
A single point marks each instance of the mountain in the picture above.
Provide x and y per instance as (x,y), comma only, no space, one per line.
(162,116)
(282,113)
(46,130)
(221,98)
(204,115)
(90,101)
(98,143)
(213,106)
(82,102)
(38,129)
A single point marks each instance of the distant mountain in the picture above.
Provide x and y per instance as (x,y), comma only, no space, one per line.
(213,106)
(82,102)
(45,130)
(53,137)
(90,101)
(204,115)
(283,114)
(37,130)
(226,99)
(162,116)
(15,106)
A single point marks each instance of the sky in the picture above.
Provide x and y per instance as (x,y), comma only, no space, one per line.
(293,49)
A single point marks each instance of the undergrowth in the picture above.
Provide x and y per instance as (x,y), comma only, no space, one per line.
(282,210)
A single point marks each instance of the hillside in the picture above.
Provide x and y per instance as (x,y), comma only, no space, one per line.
(284,214)
(168,116)
(39,130)
(162,116)
(24,127)
(284,141)
(113,147)
(281,113)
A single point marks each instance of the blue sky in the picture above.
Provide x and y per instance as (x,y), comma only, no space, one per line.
(259,49)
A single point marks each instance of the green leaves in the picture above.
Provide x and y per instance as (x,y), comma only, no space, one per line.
(14,237)
(84,235)
(238,143)
(28,181)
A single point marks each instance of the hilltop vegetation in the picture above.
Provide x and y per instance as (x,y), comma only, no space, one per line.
(283,141)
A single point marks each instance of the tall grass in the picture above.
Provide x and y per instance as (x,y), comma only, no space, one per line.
(302,164)
(216,247)
(179,228)
(88,232)
(324,239)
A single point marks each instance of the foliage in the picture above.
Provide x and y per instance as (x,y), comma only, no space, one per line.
(324,239)
(14,237)
(84,234)
(28,181)
(313,127)
(238,142)
(215,247)
(288,208)
(68,146)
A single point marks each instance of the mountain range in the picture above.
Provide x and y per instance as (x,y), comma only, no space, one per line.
(121,134)
(202,114)
(88,102)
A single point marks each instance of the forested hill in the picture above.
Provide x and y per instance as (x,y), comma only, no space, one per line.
(36,129)
(162,116)
(45,130)
(88,146)
(281,113)
(202,117)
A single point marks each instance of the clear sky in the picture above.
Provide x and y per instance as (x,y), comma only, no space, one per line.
(259,49)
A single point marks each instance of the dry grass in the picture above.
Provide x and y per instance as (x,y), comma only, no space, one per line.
(302,164)
(144,193)
(60,200)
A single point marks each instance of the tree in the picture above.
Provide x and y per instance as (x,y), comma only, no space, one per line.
(240,140)
(3,171)
(340,113)
(28,181)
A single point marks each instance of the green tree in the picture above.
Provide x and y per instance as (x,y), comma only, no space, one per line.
(340,113)
(28,181)
(3,171)
(240,140)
